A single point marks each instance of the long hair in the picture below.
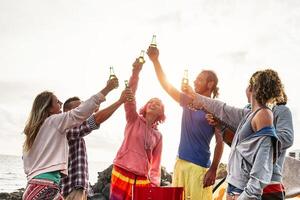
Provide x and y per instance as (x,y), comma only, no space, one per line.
(39,112)
(212,76)
(160,119)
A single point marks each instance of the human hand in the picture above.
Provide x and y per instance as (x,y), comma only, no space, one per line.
(211,120)
(210,177)
(127,95)
(137,65)
(153,53)
(112,83)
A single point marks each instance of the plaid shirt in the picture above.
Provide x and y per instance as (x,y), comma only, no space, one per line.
(77,165)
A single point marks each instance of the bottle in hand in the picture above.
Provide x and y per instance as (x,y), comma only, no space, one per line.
(153,41)
(141,58)
(113,75)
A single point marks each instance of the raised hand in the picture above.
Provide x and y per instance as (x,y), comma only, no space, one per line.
(137,65)
(112,83)
(153,53)
(127,96)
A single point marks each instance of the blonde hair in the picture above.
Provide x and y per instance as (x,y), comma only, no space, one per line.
(39,112)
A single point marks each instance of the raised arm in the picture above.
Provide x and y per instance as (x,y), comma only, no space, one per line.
(77,116)
(130,106)
(153,54)
(105,113)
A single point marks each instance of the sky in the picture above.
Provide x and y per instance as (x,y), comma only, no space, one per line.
(67,47)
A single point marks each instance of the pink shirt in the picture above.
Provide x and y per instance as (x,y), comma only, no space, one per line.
(49,151)
(141,149)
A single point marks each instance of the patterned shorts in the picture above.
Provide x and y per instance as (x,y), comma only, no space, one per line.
(40,189)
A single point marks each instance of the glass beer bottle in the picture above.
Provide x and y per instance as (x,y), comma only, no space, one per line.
(141,58)
(185,79)
(126,84)
(113,75)
(153,41)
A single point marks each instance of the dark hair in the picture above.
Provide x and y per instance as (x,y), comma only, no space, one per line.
(267,87)
(212,76)
(67,105)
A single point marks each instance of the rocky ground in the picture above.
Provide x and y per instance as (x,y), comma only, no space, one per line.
(100,190)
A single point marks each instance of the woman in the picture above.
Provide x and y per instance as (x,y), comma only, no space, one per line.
(45,150)
(254,148)
(137,163)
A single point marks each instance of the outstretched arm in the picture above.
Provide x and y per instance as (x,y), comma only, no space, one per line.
(170,89)
(77,116)
(104,114)
(130,106)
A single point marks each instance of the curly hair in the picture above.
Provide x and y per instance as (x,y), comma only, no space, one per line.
(267,86)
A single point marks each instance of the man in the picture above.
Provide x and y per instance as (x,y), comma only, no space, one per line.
(75,185)
(193,169)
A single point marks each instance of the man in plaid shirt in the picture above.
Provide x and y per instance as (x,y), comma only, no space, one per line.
(75,185)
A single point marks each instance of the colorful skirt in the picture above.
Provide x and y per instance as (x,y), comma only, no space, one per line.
(40,189)
(123,183)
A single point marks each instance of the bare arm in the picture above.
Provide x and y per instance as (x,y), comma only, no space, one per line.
(104,114)
(170,89)
(210,176)
(130,106)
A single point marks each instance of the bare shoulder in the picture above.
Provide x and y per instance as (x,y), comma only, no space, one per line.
(263,118)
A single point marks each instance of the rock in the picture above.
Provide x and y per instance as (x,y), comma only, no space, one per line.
(12,196)
(103,179)
(106,190)
(166,178)
(97,196)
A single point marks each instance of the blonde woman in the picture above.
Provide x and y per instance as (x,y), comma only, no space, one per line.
(45,150)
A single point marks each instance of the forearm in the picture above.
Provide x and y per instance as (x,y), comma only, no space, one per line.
(104,114)
(105,90)
(172,91)
(228,114)
(218,151)
(134,80)
(78,115)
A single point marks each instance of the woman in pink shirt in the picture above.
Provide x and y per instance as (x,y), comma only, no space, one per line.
(137,163)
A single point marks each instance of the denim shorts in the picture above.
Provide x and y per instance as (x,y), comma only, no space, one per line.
(232,190)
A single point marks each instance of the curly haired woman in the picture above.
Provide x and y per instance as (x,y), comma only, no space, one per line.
(255,145)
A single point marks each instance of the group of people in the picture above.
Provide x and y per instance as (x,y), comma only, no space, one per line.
(55,158)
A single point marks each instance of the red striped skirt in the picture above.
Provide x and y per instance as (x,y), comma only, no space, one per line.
(40,189)
(123,182)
